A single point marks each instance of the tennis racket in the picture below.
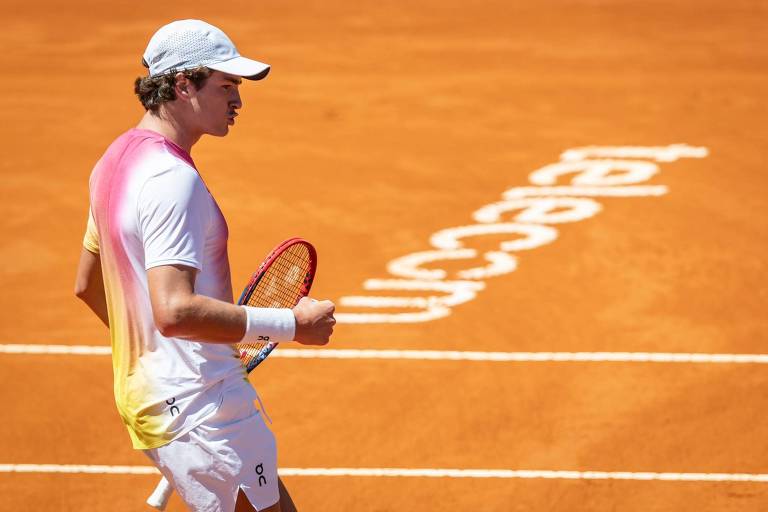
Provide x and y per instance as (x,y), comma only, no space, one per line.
(283,278)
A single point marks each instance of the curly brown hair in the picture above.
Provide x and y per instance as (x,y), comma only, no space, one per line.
(153,91)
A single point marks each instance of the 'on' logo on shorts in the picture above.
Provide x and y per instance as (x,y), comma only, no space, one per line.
(260,472)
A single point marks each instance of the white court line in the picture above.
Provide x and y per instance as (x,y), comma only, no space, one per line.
(416,473)
(78,468)
(440,355)
(435,355)
(83,350)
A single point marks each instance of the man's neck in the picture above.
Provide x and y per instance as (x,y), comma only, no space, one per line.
(169,128)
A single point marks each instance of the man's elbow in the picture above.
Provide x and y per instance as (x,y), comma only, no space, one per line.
(81,290)
(171,321)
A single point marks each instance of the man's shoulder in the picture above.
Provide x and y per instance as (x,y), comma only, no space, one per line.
(145,154)
(152,158)
(160,164)
(157,151)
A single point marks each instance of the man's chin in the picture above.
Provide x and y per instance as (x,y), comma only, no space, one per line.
(220,132)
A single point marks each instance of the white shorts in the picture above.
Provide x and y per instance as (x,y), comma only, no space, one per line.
(233,449)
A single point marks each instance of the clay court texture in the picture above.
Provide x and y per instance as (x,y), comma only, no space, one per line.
(544,225)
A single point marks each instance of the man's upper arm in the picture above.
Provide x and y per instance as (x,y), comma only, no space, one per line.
(174,217)
(88,272)
(89,267)
(89,284)
(169,285)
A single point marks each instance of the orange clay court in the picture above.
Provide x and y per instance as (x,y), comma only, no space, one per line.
(383,132)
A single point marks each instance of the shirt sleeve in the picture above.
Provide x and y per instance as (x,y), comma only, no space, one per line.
(91,238)
(174,215)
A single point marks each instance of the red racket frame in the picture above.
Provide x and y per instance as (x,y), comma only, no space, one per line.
(309,278)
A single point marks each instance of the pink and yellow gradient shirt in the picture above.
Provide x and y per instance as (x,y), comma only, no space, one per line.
(150,207)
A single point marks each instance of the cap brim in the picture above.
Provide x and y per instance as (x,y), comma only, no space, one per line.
(240,66)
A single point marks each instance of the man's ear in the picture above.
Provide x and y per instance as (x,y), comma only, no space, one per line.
(182,86)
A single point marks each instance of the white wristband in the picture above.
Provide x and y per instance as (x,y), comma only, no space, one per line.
(268,324)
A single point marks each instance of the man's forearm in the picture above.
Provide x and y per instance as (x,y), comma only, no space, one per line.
(201,318)
(181,313)
(97,303)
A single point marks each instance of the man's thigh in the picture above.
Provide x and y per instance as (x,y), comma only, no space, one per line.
(285,504)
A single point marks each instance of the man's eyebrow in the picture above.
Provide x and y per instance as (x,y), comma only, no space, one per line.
(234,80)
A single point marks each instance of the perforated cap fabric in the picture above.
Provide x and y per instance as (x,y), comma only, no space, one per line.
(187,44)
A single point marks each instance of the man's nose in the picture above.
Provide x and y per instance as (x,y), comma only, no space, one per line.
(236,101)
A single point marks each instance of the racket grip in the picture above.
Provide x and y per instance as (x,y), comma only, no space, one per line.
(161,495)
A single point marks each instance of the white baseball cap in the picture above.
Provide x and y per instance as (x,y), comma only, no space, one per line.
(187,44)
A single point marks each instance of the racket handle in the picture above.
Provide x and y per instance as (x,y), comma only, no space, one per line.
(161,495)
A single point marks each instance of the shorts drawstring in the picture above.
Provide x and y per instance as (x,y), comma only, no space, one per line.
(261,406)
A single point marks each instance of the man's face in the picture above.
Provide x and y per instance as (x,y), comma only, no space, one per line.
(215,104)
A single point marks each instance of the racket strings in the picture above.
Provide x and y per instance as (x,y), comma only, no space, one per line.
(281,286)
(282,283)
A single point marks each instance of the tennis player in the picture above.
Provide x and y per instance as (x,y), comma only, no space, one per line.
(154,268)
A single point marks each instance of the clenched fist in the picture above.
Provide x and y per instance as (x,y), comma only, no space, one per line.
(314,321)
